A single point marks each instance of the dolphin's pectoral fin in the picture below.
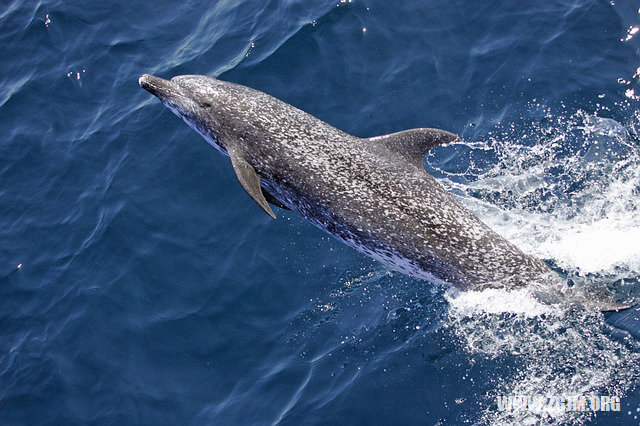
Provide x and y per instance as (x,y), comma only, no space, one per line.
(273,200)
(249,181)
(415,143)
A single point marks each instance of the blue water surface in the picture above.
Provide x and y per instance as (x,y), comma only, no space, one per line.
(140,285)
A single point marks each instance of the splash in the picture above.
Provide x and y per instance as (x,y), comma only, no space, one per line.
(557,351)
(566,189)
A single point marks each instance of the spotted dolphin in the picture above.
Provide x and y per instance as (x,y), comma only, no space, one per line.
(371,193)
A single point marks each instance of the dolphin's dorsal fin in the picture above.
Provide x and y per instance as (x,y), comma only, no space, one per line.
(415,143)
(249,180)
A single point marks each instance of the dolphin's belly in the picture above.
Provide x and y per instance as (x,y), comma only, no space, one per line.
(378,250)
(393,259)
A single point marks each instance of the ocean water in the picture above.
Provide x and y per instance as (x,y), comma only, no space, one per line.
(140,285)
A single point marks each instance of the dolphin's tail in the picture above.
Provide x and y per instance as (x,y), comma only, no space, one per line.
(601,299)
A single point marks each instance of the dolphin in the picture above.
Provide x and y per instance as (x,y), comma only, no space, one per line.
(370,193)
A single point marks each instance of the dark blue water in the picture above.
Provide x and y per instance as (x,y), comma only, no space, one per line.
(140,285)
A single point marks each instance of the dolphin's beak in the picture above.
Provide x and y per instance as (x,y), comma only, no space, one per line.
(156,86)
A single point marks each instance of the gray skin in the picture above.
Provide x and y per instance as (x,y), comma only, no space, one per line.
(371,193)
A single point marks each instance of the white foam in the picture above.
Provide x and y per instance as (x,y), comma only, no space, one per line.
(496,301)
